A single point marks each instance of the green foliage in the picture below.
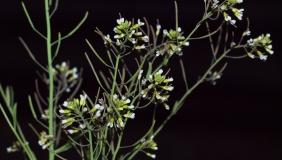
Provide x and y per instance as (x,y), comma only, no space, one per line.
(95,127)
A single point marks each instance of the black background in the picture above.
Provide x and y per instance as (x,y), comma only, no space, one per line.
(238,119)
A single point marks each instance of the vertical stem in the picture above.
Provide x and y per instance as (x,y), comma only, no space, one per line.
(115,76)
(51,80)
(118,146)
(176,15)
(91,144)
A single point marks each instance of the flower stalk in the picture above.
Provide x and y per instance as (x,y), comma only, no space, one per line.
(96,127)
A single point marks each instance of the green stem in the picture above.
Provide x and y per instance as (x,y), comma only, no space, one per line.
(136,152)
(118,146)
(208,15)
(51,122)
(23,143)
(91,144)
(115,76)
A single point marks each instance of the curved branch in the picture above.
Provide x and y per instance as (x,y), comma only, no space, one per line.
(31,23)
(73,30)
(31,54)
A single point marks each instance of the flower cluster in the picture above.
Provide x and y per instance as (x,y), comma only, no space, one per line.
(228,8)
(121,110)
(260,47)
(213,77)
(128,32)
(45,140)
(15,147)
(78,117)
(98,109)
(157,86)
(175,42)
(67,75)
(74,114)
(45,114)
(149,145)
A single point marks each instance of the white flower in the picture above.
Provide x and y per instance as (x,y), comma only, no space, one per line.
(119,36)
(238,13)
(120,21)
(71,131)
(165,32)
(269,49)
(251,55)
(263,57)
(179,29)
(99,107)
(138,34)
(118,43)
(153,156)
(64,64)
(215,4)
(158,53)
(143,82)
(140,47)
(64,111)
(160,71)
(131,106)
(127,101)
(65,104)
(158,29)
(166,106)
(169,80)
(140,23)
(98,114)
(64,121)
(84,109)
(247,33)
(227,17)
(145,39)
(140,74)
(169,88)
(120,123)
(186,43)
(250,42)
(233,22)
(82,101)
(133,40)
(107,39)
(129,115)
(115,96)
(110,124)
(82,126)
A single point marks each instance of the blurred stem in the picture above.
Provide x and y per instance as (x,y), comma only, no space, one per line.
(91,144)
(51,121)
(118,146)
(23,143)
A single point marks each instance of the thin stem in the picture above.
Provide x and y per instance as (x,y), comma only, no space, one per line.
(118,146)
(31,23)
(73,30)
(115,76)
(176,15)
(208,15)
(91,144)
(31,54)
(25,145)
(51,122)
